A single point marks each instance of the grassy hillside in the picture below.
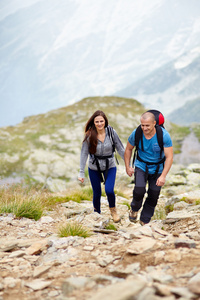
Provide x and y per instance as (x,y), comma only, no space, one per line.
(38,144)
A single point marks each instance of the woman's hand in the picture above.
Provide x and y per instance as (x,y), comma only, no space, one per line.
(81,179)
(130,171)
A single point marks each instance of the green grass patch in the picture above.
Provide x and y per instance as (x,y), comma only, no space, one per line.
(22,201)
(74,229)
(23,208)
(111,226)
(31,209)
(85,193)
(169,208)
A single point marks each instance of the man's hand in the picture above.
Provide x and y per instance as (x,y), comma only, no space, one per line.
(129,171)
(160,181)
(168,162)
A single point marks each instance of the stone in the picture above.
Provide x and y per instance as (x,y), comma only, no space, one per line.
(175,180)
(159,231)
(194,284)
(38,247)
(38,284)
(88,248)
(180,205)
(195,167)
(182,292)
(40,270)
(71,284)
(8,245)
(172,256)
(162,289)
(46,220)
(105,260)
(159,256)
(140,246)
(161,277)
(18,253)
(184,243)
(120,271)
(180,215)
(125,290)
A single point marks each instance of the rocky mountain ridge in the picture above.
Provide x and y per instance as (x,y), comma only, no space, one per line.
(170,87)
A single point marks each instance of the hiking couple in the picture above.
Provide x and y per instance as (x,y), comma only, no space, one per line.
(152,163)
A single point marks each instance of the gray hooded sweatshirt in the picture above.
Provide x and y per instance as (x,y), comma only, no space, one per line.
(103,149)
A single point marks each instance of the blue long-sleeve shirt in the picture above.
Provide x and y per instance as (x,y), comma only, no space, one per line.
(103,149)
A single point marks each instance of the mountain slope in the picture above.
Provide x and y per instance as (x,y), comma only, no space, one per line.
(56,52)
(169,87)
(187,114)
(46,147)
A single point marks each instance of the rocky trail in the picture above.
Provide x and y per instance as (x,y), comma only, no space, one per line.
(160,260)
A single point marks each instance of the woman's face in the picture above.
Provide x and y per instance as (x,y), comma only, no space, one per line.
(99,123)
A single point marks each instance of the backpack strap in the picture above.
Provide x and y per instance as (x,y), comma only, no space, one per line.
(96,159)
(111,136)
(159,134)
(138,138)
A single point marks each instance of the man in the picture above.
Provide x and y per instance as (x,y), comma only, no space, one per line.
(148,167)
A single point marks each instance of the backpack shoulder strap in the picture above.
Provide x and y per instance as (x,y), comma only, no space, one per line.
(111,136)
(138,137)
(159,134)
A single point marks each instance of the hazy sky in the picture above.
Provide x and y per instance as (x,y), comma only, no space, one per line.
(56,52)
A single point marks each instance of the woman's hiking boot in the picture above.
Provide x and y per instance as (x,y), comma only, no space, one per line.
(114,214)
(133,216)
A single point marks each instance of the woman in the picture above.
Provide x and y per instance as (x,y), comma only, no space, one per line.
(98,145)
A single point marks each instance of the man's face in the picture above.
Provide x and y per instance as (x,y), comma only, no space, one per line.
(148,126)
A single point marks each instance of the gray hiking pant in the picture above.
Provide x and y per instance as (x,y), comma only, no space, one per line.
(153,192)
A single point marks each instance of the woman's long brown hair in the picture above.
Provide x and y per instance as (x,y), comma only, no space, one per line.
(91,132)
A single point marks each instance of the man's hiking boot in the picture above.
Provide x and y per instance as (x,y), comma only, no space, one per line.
(142,223)
(114,214)
(133,216)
